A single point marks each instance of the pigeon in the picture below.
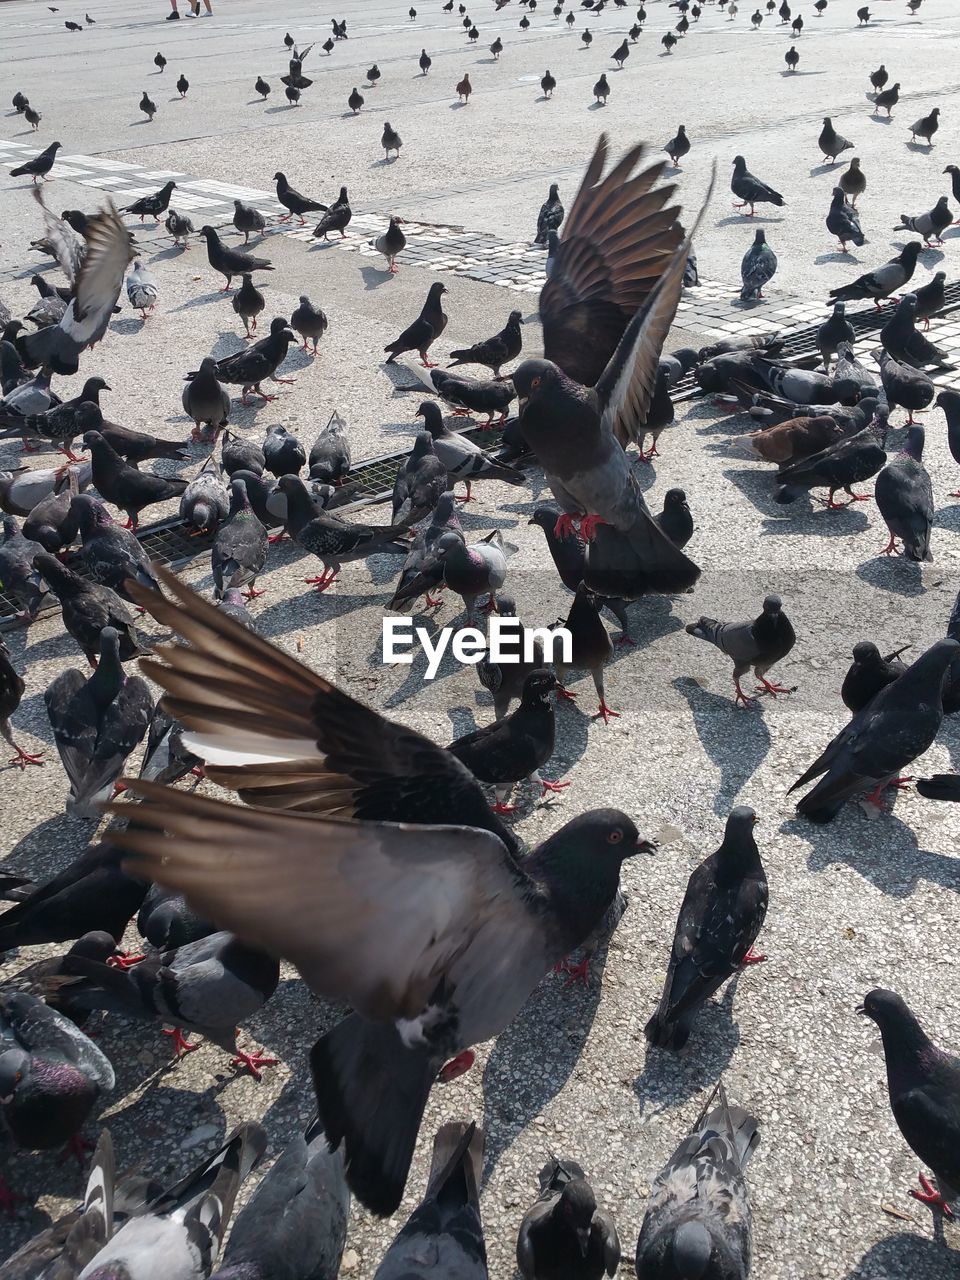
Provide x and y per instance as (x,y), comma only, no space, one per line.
(246,219)
(282,451)
(750,189)
(797,25)
(868,674)
(900,338)
(391,243)
(293,201)
(426,62)
(923,1083)
(550,216)
(88,608)
(39,166)
(126,487)
(505,680)
(292,95)
(336,217)
(954,172)
(296,1219)
(355,100)
(109,553)
(590,648)
(834,333)
(722,913)
(331,540)
(792,58)
(926,127)
(852,181)
(262,87)
(248,302)
(863,16)
(895,727)
(97,722)
(230,262)
(329,459)
(569,558)
(372,1088)
(12,689)
(160,62)
(50,522)
(153,205)
(843,222)
(166,760)
(904,385)
(423,567)
(32,117)
(463,459)
(464,89)
(929,225)
(420,481)
(565,1236)
(390,140)
(239,549)
(251,367)
(675,519)
(59,425)
(474,395)
(547,85)
(443,1237)
(142,289)
(148,107)
(887,100)
(51,1074)
(601,90)
(698,1219)
(797,438)
(890,278)
(475,569)
(830,142)
(49,308)
(310,322)
(19,102)
(183,84)
(516,746)
(496,351)
(20,581)
(179,226)
(204,399)
(879,77)
(186,1224)
(237,454)
(904,497)
(668,41)
(757,268)
(164,919)
(760,644)
(930,298)
(678,146)
(854,458)
(621,54)
(425,329)
(205,502)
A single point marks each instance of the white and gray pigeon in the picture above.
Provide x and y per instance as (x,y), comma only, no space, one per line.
(239,549)
(463,457)
(443,1237)
(391,243)
(294,1226)
(758,267)
(760,643)
(205,501)
(97,723)
(930,225)
(180,1234)
(329,459)
(142,288)
(698,1221)
(179,226)
(564,1236)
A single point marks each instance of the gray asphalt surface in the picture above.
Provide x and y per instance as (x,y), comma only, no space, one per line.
(854,905)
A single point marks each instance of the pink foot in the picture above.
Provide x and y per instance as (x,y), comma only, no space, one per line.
(127,962)
(253,1062)
(742,698)
(322,581)
(565,527)
(77,1147)
(181,1044)
(579,972)
(252,593)
(546,786)
(433,602)
(929,1195)
(773,689)
(752,957)
(23,758)
(458,1066)
(276,537)
(501,808)
(607,714)
(565,694)
(588,527)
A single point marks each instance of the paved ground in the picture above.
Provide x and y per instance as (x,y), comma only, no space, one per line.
(854,905)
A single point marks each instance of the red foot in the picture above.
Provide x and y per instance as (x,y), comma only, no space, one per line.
(322,581)
(181,1044)
(652,452)
(130,523)
(251,593)
(27,447)
(607,714)
(752,957)
(588,527)
(876,795)
(23,758)
(8,1197)
(289,381)
(955,494)
(773,689)
(579,972)
(253,1062)
(501,808)
(743,698)
(70,455)
(458,1066)
(198,771)
(546,786)
(565,527)
(891,548)
(432,602)
(276,537)
(461,413)
(929,1195)
(77,1147)
(565,694)
(625,641)
(427,364)
(127,962)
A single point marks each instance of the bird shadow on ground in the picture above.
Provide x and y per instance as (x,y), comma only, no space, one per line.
(669,1079)
(378,164)
(654,620)
(880,119)
(735,739)
(62,832)
(827,167)
(131,325)
(892,573)
(948,518)
(373,278)
(269,111)
(820,523)
(924,147)
(596,106)
(203,299)
(905,1254)
(556,1016)
(837,256)
(743,219)
(788,75)
(175,250)
(456,106)
(755,486)
(882,850)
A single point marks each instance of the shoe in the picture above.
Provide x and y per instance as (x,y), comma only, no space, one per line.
(173,17)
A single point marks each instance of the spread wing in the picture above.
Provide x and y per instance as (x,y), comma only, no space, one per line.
(618,239)
(68,248)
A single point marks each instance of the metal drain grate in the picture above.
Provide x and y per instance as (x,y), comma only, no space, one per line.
(372,481)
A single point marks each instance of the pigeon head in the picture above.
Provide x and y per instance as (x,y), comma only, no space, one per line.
(892,1015)
(739,163)
(533,378)
(577,1203)
(772,605)
(14,1068)
(92,388)
(109,645)
(277,325)
(90,513)
(208,233)
(429,411)
(913,445)
(538,685)
(95,945)
(911,251)
(436,292)
(545,517)
(515,317)
(760,237)
(238,495)
(422,445)
(692,1250)
(951,168)
(554,191)
(91,439)
(866,653)
(675,498)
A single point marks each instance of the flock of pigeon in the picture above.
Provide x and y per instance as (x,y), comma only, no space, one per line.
(365,854)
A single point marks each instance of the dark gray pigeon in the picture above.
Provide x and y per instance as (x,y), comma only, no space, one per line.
(564,1236)
(491,396)
(443,1237)
(894,728)
(423,568)
(463,457)
(496,351)
(905,386)
(869,673)
(830,142)
(310,322)
(97,722)
(904,497)
(851,380)
(237,454)
(294,1226)
(331,540)
(722,913)
(550,216)
(757,268)
(751,190)
(698,1221)
(283,453)
(230,262)
(125,486)
(87,608)
(248,302)
(900,339)
(329,460)
(247,219)
(12,689)
(924,1087)
(929,225)
(239,549)
(205,502)
(420,481)
(843,222)
(759,644)
(890,278)
(18,577)
(832,334)
(110,553)
(505,680)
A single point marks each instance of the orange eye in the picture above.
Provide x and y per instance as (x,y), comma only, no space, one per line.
(615,836)
(534,383)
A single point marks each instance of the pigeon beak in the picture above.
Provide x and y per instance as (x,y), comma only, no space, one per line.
(647,846)
(861,1009)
